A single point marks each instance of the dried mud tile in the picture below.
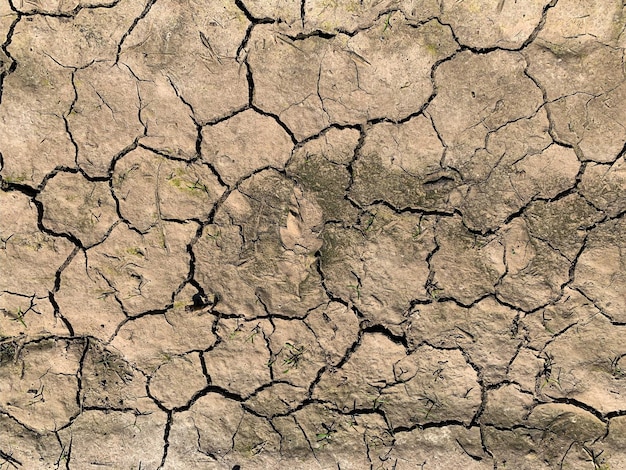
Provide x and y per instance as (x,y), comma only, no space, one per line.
(575,50)
(221,244)
(37,77)
(488,197)
(201,462)
(7,17)
(39,387)
(293,443)
(286,77)
(369,76)
(525,368)
(115,439)
(420,10)
(442,447)
(478,93)
(563,425)
(217,254)
(319,166)
(379,440)
(300,232)
(151,188)
(440,324)
(584,21)
(244,143)
(35,97)
(151,340)
(255,443)
(432,386)
(396,145)
(25,318)
(337,145)
(194,45)
(258,257)
(190,329)
(517,181)
(296,355)
(170,128)
(572,309)
(564,70)
(241,361)
(562,223)
(507,406)
(349,16)
(108,381)
(87,300)
(294,446)
(217,431)
(611,450)
(348,79)
(546,452)
(25,448)
(400,164)
(277,399)
(594,124)
(284,12)
(506,144)
(336,329)
(91,35)
(334,439)
(382,268)
(600,273)
(485,331)
(466,266)
(357,384)
(175,382)
(74,205)
(24,246)
(484,25)
(535,271)
(56,7)
(103,120)
(518,448)
(588,363)
(143,269)
(486,205)
(344,15)
(584,455)
(605,186)
(493,173)
(570,122)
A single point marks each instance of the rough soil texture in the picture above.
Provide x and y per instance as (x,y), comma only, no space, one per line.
(312,234)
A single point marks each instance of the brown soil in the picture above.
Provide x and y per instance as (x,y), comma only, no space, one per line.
(312,234)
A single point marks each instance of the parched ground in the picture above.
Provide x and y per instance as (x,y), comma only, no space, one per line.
(312,234)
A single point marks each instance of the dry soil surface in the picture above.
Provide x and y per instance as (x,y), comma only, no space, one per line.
(312,234)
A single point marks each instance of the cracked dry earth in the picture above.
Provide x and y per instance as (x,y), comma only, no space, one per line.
(317,234)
